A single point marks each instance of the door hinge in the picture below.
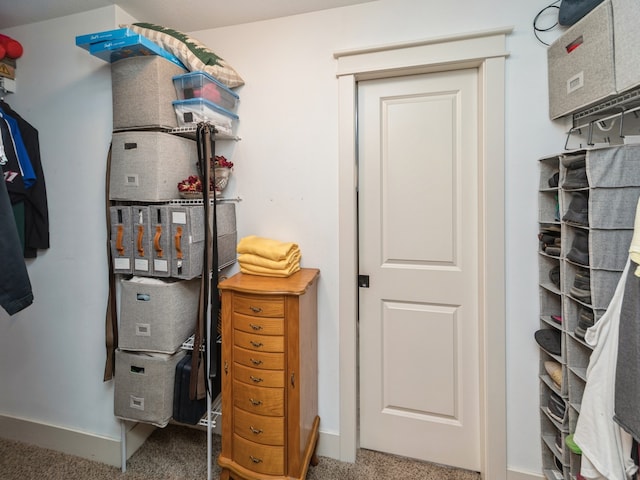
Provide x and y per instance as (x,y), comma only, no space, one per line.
(363,281)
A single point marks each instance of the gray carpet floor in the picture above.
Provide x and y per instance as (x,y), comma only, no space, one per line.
(179,453)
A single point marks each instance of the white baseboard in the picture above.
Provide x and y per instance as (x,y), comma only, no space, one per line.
(328,445)
(82,444)
(517,475)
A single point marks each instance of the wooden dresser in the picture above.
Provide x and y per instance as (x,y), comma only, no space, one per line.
(269,376)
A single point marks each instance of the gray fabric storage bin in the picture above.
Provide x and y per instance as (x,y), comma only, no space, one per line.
(120,239)
(143,386)
(603,286)
(584,75)
(161,240)
(141,236)
(608,249)
(187,234)
(147,166)
(614,167)
(626,38)
(613,208)
(613,175)
(225,218)
(227,235)
(227,249)
(188,223)
(157,315)
(143,92)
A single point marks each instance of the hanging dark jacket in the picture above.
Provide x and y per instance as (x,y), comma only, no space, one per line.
(36,213)
(15,286)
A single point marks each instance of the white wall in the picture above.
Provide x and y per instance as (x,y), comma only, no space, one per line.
(52,353)
(286,174)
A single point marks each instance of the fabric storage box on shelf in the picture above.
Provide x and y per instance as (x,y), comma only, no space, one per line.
(187,234)
(581,63)
(157,315)
(227,235)
(141,236)
(147,166)
(626,38)
(192,111)
(142,92)
(203,85)
(187,237)
(143,386)
(121,243)
(227,243)
(161,250)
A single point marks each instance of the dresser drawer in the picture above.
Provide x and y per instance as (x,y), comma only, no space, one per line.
(258,343)
(259,325)
(259,400)
(258,458)
(260,378)
(259,428)
(258,305)
(261,360)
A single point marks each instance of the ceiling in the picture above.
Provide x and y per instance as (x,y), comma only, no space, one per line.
(184,15)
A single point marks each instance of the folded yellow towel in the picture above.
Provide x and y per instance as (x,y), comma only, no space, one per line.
(257,260)
(266,247)
(267,272)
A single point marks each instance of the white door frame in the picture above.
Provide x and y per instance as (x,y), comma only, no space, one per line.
(485,51)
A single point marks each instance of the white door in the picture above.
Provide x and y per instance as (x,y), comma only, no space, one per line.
(418,243)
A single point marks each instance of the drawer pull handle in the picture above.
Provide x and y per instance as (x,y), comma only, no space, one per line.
(256,344)
(226,367)
(255,309)
(255,459)
(255,327)
(255,362)
(256,431)
(255,403)
(255,379)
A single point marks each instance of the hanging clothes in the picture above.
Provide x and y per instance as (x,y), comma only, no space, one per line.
(627,385)
(606,448)
(26,169)
(15,286)
(36,214)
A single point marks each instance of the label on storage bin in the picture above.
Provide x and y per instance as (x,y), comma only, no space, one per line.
(575,82)
(179,217)
(121,263)
(136,402)
(141,264)
(143,329)
(160,265)
(131,180)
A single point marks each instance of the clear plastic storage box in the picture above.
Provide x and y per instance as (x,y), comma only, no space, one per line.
(203,85)
(192,111)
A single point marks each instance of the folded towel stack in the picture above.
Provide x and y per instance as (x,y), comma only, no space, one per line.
(268,257)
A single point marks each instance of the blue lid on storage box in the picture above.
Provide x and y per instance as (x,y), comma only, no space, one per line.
(192,111)
(85,41)
(131,46)
(200,84)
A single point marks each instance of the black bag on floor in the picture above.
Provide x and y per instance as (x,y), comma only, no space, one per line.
(184,409)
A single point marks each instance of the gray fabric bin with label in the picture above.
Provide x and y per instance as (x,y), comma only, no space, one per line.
(157,315)
(120,240)
(147,166)
(143,92)
(143,386)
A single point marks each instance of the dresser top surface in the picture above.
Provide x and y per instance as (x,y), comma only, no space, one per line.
(295,284)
